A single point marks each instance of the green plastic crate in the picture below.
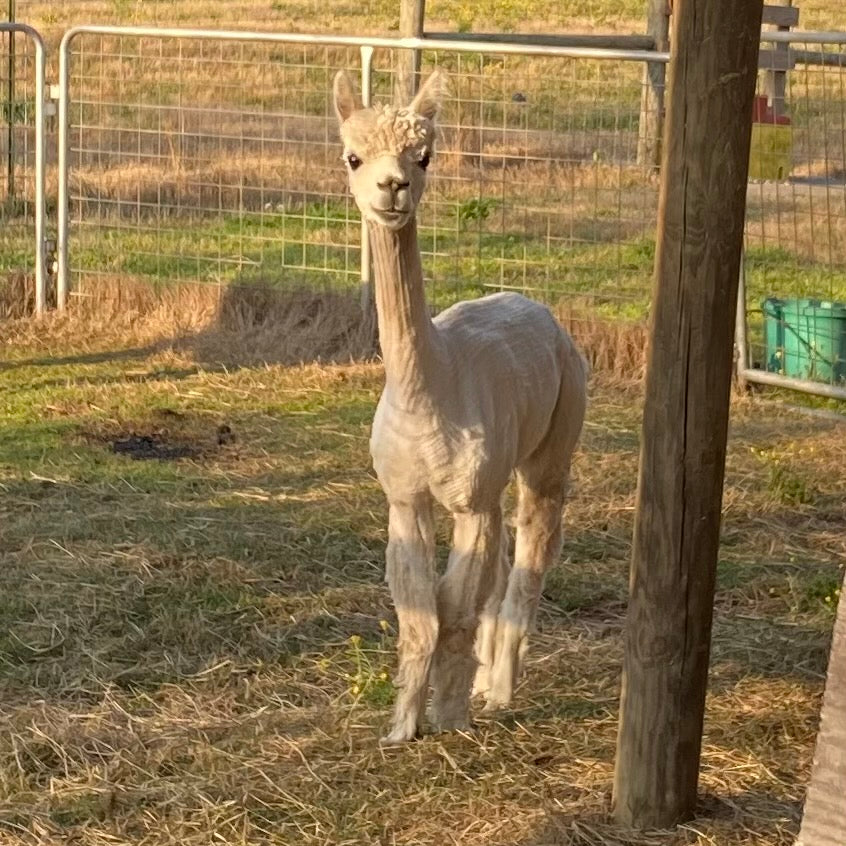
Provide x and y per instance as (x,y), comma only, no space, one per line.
(806,339)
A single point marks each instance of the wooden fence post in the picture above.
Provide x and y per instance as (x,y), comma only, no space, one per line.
(824,820)
(651,125)
(777,60)
(412,13)
(676,535)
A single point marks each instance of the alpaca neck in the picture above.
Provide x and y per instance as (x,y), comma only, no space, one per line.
(409,340)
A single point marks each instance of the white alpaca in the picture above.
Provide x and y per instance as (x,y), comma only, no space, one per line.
(488,387)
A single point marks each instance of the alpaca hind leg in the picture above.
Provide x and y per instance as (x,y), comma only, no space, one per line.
(411,577)
(486,635)
(462,593)
(542,482)
(537,547)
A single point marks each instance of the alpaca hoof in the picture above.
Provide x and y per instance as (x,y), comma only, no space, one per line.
(481,683)
(452,724)
(496,699)
(398,737)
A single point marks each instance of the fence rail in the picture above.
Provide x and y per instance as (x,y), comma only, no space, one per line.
(14,106)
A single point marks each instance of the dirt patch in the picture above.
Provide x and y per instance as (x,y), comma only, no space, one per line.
(184,439)
(146,447)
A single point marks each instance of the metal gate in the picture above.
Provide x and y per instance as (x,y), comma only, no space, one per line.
(22,170)
(211,158)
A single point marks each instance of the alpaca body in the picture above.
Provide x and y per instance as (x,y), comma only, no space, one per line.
(461,437)
(490,388)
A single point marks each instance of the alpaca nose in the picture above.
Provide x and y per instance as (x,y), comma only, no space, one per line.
(393,182)
(394,188)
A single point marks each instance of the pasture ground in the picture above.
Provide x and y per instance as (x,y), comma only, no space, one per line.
(196,643)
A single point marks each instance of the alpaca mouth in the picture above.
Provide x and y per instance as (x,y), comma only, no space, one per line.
(389,217)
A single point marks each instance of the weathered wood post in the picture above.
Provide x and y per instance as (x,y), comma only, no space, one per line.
(824,820)
(412,13)
(700,229)
(654,77)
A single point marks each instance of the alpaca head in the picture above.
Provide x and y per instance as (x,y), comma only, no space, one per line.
(387,150)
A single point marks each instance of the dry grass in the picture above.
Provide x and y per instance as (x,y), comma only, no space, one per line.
(17,295)
(193,652)
(231,324)
(238,325)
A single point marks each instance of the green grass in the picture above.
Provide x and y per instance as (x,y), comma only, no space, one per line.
(462,259)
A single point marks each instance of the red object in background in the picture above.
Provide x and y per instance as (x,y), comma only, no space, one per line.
(762,112)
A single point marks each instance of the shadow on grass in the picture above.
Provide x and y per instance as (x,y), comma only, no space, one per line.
(759,813)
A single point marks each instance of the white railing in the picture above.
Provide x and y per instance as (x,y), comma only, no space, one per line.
(40,210)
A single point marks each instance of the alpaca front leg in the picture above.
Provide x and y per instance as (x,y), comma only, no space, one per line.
(486,635)
(538,546)
(462,593)
(411,577)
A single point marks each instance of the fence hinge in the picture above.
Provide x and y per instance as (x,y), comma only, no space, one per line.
(50,107)
(51,261)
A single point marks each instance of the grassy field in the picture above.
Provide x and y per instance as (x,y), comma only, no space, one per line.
(196,644)
(380,15)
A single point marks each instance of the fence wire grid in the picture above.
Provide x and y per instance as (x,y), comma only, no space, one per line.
(17,174)
(179,174)
(795,261)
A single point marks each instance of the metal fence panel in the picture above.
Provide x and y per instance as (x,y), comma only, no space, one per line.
(794,332)
(23,273)
(212,158)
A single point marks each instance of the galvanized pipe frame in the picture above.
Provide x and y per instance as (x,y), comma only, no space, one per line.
(366,46)
(745,373)
(40,158)
(799,37)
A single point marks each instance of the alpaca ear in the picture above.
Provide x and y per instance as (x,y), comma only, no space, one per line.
(427,103)
(345,96)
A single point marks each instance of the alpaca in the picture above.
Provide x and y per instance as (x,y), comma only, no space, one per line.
(488,387)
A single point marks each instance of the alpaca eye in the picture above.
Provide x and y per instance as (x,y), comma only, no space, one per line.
(424,160)
(353,161)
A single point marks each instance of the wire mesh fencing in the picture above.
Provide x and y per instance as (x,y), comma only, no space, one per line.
(217,162)
(537,186)
(18,172)
(214,161)
(795,265)
(206,161)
